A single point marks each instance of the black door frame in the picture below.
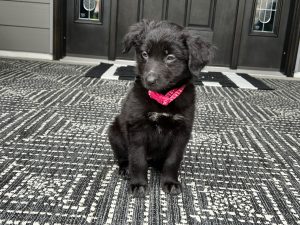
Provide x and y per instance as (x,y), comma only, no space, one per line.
(59,29)
(238,34)
(289,59)
(289,54)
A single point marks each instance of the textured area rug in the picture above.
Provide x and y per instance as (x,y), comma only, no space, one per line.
(241,166)
(217,79)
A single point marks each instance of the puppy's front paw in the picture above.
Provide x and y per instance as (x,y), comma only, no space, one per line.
(124,172)
(138,191)
(172,188)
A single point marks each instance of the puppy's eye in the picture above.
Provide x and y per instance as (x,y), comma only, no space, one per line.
(145,55)
(170,58)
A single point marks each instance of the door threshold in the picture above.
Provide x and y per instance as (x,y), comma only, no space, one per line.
(297,75)
(94,61)
(251,72)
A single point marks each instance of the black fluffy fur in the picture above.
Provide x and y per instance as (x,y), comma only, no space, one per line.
(147,133)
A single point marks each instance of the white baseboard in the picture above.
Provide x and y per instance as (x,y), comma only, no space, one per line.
(94,61)
(26,55)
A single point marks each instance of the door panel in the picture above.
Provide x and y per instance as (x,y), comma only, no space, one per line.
(128,14)
(174,11)
(201,13)
(263,48)
(152,9)
(224,30)
(209,17)
(87,32)
(200,16)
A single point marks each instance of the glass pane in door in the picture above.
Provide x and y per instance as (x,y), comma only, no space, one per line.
(264,16)
(89,9)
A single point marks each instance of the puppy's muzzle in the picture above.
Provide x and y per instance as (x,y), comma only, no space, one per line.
(151,78)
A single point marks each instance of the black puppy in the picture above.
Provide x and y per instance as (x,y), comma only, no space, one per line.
(156,120)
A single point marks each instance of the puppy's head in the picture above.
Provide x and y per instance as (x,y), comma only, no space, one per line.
(167,54)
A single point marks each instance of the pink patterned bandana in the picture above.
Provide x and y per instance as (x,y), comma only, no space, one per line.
(167,98)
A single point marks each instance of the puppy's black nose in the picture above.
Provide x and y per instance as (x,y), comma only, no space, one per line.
(151,78)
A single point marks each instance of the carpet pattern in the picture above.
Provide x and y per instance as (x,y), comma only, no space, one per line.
(241,166)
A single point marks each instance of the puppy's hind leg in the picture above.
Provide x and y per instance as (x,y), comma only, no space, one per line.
(119,148)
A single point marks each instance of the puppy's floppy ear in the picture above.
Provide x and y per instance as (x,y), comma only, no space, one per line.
(200,52)
(135,35)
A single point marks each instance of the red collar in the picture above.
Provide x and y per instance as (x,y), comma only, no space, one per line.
(167,98)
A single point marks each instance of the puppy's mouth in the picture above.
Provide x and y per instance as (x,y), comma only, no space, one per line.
(153,82)
(157,87)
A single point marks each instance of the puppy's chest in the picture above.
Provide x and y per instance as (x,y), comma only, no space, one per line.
(165,122)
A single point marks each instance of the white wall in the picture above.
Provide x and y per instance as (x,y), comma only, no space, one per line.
(297,68)
(298,61)
(26,26)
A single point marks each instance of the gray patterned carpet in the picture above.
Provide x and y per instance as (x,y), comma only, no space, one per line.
(242,165)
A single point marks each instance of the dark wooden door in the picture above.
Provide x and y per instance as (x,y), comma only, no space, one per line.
(263,34)
(87,28)
(214,19)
